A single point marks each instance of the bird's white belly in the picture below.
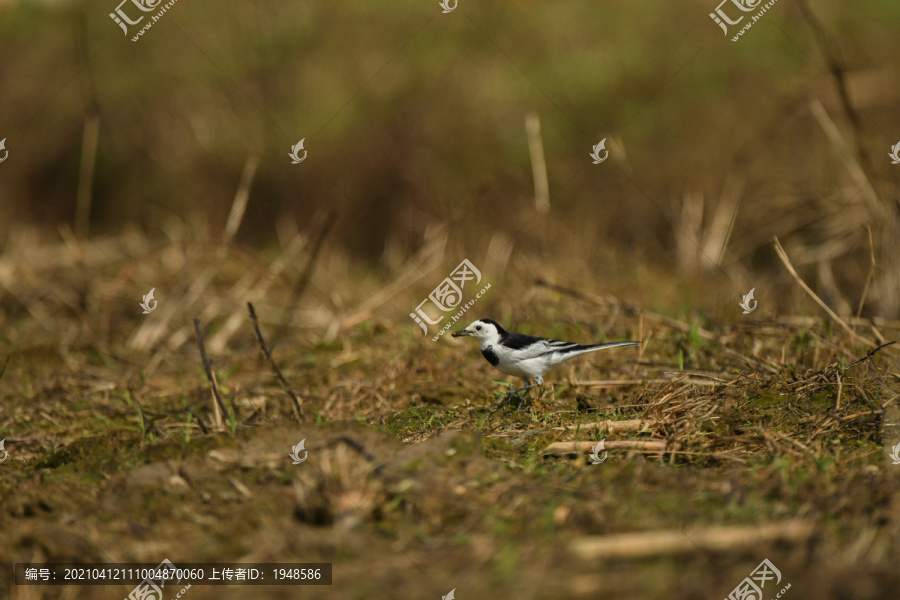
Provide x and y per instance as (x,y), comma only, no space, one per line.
(532,368)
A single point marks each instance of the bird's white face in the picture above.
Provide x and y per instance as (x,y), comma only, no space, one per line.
(486,333)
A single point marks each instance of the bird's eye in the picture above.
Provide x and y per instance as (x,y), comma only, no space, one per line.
(478,327)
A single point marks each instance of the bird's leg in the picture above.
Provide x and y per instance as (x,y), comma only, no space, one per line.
(506,399)
(524,395)
(509,396)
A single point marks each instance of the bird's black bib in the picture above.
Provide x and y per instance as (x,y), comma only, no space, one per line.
(490,355)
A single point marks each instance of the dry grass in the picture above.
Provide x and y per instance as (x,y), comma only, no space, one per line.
(116,453)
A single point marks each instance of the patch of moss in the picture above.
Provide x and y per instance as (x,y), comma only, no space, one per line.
(416,420)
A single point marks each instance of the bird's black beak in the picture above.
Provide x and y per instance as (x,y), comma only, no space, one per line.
(460,333)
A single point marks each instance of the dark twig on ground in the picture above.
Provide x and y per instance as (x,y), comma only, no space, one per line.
(359,450)
(148,424)
(871,353)
(207,365)
(327,222)
(262,345)
(306,275)
(199,421)
(6,362)
(838,71)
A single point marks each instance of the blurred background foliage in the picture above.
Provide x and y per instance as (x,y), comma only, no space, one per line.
(415,120)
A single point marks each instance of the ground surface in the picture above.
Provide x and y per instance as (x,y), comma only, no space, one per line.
(411,487)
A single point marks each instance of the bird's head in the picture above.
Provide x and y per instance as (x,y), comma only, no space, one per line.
(487,331)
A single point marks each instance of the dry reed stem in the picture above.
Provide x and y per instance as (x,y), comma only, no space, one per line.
(677,541)
(871,274)
(431,254)
(207,366)
(787,263)
(239,204)
(83,198)
(561,448)
(538,163)
(260,284)
(611,426)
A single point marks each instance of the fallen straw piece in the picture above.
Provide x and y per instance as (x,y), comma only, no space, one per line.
(611,426)
(560,448)
(672,541)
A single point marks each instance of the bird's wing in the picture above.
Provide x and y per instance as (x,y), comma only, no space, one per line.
(529,346)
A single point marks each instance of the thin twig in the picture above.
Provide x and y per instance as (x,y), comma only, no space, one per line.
(199,421)
(356,446)
(262,345)
(870,354)
(6,362)
(790,267)
(862,299)
(306,275)
(239,205)
(207,365)
(838,72)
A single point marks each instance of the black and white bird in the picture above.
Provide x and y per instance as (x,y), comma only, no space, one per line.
(525,356)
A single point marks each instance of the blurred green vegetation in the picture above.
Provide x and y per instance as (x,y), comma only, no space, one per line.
(414,118)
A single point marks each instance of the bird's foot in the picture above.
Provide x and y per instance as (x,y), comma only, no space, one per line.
(507,400)
(511,397)
(499,405)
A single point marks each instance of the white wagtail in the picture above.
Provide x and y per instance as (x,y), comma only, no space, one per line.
(525,356)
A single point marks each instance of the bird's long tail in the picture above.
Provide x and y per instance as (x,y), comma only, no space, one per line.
(578,350)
